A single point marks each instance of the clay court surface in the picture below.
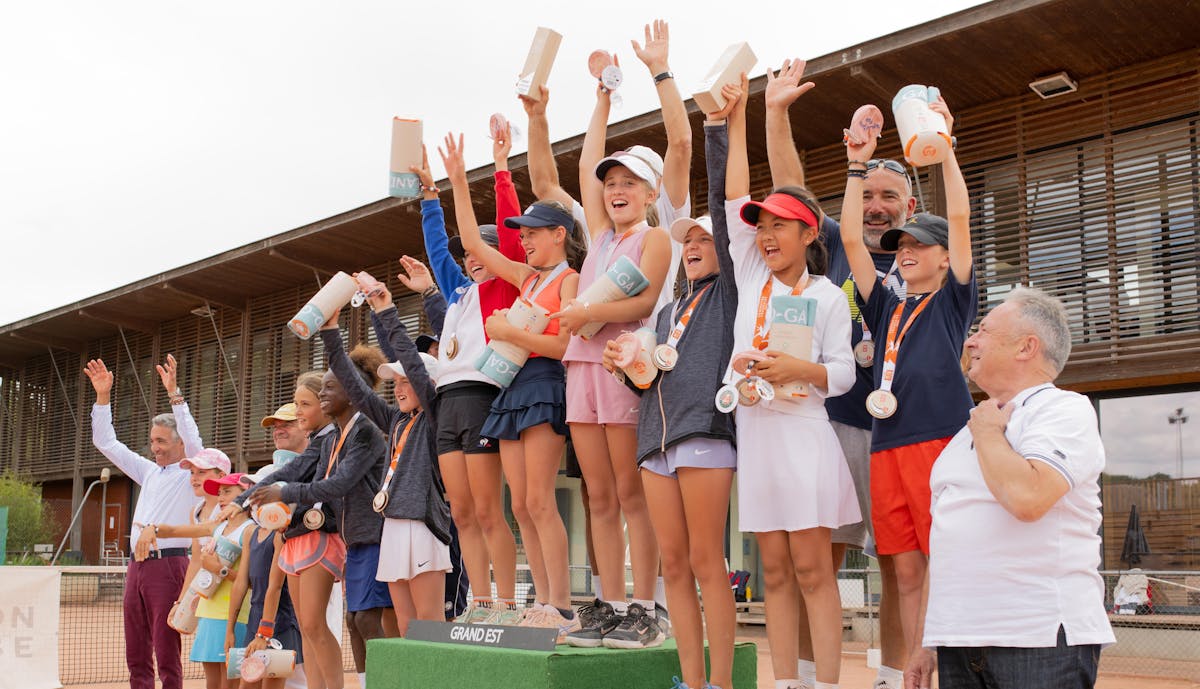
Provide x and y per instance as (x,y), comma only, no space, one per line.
(93,647)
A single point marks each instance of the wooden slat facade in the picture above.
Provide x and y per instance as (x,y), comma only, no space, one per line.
(1093,196)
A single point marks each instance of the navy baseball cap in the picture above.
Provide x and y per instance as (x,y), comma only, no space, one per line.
(926,228)
(425,341)
(489,234)
(539,215)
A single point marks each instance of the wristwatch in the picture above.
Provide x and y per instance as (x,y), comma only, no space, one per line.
(176,396)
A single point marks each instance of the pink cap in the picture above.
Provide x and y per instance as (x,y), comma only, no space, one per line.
(212,486)
(208,458)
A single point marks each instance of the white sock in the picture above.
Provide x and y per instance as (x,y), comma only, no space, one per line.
(647,604)
(807,670)
(660,592)
(894,677)
(596,587)
(825,685)
(619,606)
(362,680)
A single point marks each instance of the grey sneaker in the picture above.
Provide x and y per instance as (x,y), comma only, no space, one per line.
(636,630)
(664,621)
(600,621)
(504,616)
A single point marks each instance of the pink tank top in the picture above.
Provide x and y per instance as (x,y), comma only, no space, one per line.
(604,250)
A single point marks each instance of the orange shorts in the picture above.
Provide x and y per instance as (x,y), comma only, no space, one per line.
(900,496)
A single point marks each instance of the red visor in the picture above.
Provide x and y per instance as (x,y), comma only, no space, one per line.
(782,205)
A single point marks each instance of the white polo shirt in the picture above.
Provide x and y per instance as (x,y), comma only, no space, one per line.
(997,581)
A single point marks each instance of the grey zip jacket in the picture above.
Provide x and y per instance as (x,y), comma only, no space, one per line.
(681,403)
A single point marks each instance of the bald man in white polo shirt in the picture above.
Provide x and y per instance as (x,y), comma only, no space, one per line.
(1014,598)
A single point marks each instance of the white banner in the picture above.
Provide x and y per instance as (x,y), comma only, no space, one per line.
(29,627)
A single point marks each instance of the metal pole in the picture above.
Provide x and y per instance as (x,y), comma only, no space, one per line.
(103,521)
(1177,420)
(104,474)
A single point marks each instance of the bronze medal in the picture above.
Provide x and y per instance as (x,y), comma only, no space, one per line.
(765,390)
(452,347)
(380,501)
(665,357)
(314,518)
(747,392)
(881,404)
(864,353)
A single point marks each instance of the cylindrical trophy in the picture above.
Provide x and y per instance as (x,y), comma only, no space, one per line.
(636,358)
(233,663)
(227,550)
(406,152)
(622,281)
(501,361)
(274,516)
(271,663)
(206,583)
(922,131)
(184,620)
(334,295)
(792,333)
(281,457)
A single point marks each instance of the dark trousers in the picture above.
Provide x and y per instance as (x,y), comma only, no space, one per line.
(1002,667)
(456,580)
(151,587)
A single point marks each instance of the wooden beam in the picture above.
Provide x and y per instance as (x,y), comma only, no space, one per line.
(51,341)
(203,298)
(139,324)
(276,253)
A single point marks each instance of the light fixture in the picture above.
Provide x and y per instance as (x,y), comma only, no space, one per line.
(1054,85)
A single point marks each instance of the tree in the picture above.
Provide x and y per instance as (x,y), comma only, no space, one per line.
(29,518)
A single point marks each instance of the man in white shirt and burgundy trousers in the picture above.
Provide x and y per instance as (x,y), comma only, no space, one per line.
(166,497)
(1014,598)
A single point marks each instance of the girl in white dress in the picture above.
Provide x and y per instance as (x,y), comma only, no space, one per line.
(794,485)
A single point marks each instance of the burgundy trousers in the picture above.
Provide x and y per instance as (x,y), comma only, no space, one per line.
(151,587)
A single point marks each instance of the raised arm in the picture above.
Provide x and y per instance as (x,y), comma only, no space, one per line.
(862,266)
(716,151)
(543,173)
(361,396)
(591,189)
(433,227)
(737,171)
(397,335)
(512,272)
(104,436)
(185,424)
(677,164)
(958,205)
(783,90)
(508,205)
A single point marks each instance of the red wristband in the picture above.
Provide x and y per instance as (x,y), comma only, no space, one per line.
(266,632)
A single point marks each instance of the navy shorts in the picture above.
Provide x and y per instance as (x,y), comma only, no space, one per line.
(362,591)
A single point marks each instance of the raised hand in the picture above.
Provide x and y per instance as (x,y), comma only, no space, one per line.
(733,95)
(502,148)
(102,379)
(332,323)
(654,53)
(452,158)
(536,108)
(860,152)
(424,173)
(416,275)
(939,106)
(168,374)
(784,88)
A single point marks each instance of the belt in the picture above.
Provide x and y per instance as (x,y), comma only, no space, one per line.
(167,552)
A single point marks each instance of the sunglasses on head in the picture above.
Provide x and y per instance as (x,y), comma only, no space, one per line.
(887,164)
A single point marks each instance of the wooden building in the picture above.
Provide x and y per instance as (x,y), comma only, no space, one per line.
(1093,196)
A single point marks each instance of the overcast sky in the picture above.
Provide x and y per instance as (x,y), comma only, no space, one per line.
(1139,441)
(138,136)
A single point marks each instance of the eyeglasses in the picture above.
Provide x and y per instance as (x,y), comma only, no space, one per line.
(887,164)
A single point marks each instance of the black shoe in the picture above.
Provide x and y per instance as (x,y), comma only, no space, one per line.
(636,630)
(596,621)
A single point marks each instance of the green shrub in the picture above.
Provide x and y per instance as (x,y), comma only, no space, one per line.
(29,517)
